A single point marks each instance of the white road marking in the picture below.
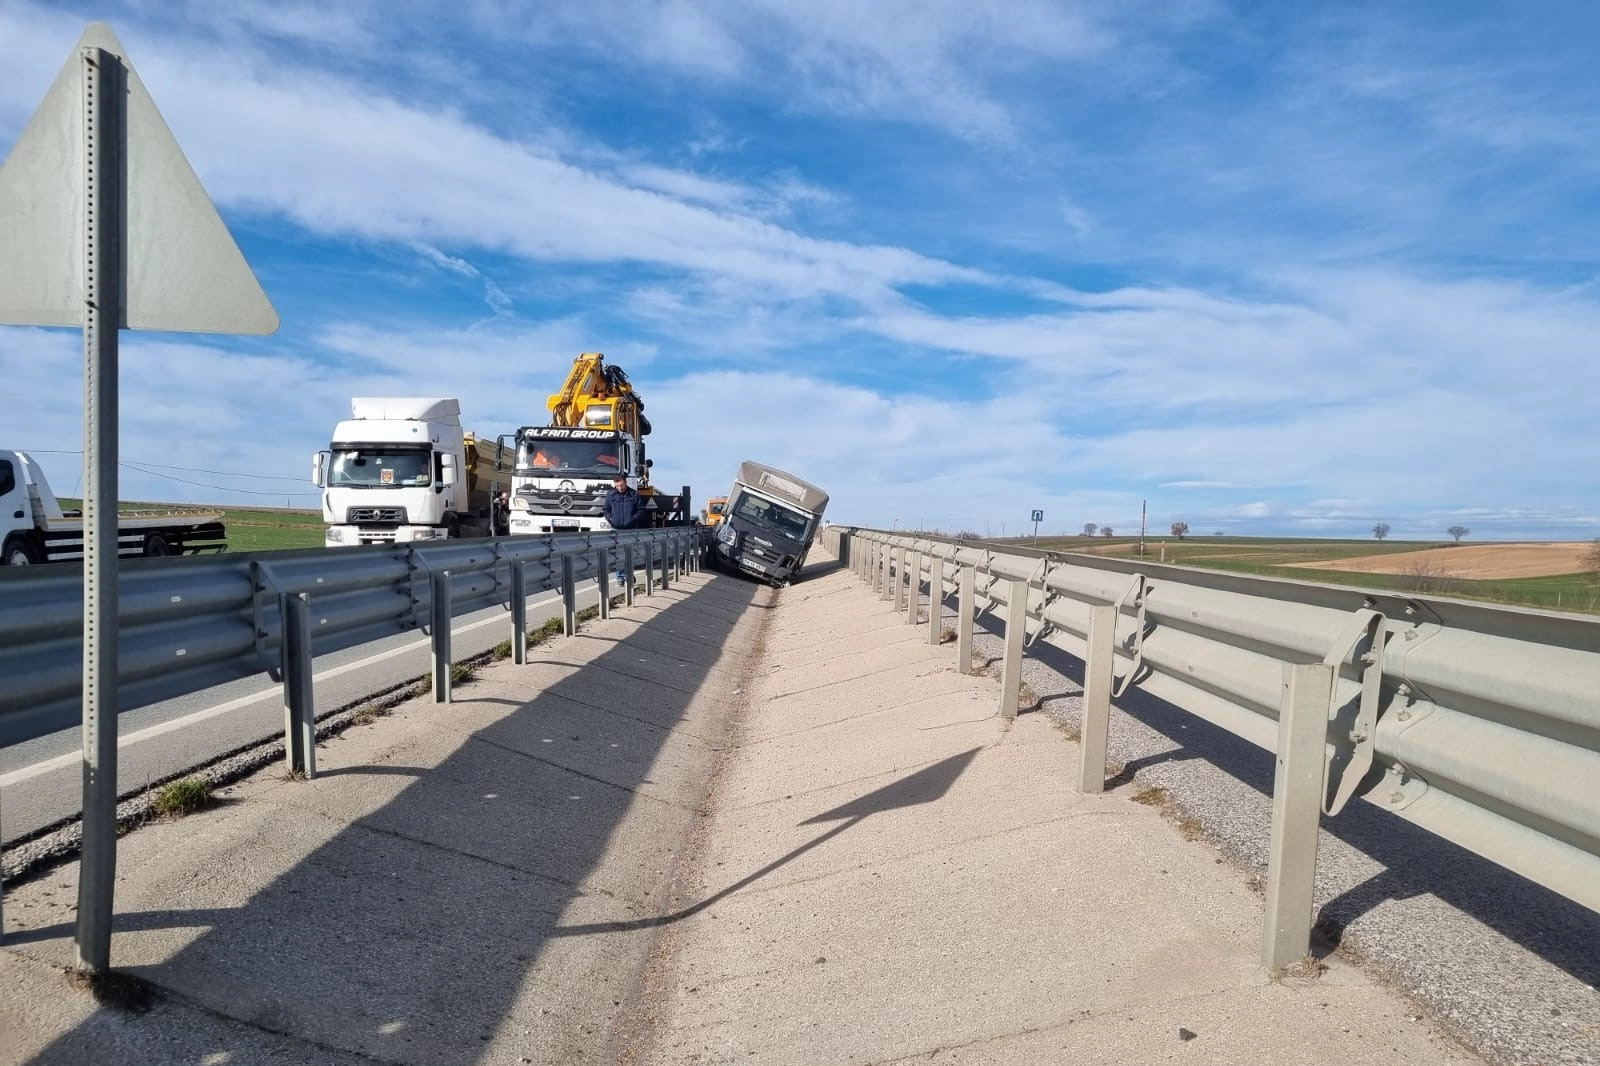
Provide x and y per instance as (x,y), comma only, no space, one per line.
(74,758)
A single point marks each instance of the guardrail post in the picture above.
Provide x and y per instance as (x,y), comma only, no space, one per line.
(1296,812)
(519,614)
(299,707)
(914,592)
(649,568)
(569,598)
(1016,631)
(440,619)
(900,578)
(602,579)
(1099,660)
(627,567)
(965,611)
(935,599)
(666,566)
(881,586)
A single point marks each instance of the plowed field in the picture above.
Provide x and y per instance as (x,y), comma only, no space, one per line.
(1476,562)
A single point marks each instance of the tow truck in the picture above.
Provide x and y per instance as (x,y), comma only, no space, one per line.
(564,469)
(34,529)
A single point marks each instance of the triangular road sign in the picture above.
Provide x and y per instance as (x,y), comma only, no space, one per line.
(650,504)
(184,271)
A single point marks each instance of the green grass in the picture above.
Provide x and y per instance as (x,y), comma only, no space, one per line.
(1269,557)
(181,797)
(256,531)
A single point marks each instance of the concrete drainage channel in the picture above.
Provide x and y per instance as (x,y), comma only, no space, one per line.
(484,877)
(35,853)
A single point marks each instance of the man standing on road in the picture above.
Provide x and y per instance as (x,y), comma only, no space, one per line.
(622,510)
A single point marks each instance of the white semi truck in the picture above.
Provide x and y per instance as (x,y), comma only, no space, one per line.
(34,529)
(768,523)
(402,469)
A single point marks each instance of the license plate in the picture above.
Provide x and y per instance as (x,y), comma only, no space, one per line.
(564,523)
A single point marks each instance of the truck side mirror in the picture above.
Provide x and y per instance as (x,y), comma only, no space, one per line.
(318,461)
(447,470)
(500,451)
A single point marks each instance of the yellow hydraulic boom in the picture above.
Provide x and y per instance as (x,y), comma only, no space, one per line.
(597,396)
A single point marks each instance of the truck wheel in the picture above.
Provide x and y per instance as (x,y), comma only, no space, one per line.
(452,527)
(18,552)
(156,544)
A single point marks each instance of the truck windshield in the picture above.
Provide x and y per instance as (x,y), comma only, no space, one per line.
(567,458)
(774,516)
(380,467)
(718,505)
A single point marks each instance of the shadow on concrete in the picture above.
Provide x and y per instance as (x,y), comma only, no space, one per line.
(925,786)
(1546,923)
(409,934)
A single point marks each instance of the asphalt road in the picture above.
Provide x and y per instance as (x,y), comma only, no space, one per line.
(41,781)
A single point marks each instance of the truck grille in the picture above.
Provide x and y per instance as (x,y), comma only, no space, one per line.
(376,515)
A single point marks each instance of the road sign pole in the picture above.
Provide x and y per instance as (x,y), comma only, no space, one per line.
(104,155)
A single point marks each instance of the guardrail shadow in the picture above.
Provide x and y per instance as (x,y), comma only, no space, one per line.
(1417,862)
(927,785)
(416,927)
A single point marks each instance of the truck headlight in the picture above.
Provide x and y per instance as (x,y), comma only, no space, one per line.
(334,535)
(518,503)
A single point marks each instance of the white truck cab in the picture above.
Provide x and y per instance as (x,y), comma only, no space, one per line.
(401,469)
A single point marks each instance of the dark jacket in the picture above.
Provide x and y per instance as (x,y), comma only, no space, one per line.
(623,509)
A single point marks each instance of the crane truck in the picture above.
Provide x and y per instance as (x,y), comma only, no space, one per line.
(402,469)
(768,525)
(596,433)
(716,510)
(34,528)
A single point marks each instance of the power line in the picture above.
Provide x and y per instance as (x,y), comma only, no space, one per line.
(139,464)
(217,488)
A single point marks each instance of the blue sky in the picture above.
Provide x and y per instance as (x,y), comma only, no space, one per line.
(1276,269)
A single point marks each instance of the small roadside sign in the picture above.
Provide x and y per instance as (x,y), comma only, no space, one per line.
(1038,516)
(182,270)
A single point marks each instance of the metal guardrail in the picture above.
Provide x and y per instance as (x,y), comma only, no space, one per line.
(1478,723)
(185,625)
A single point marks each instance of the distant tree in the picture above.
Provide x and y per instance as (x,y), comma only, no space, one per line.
(1381,530)
(1105,531)
(1089,528)
(1458,532)
(1591,561)
(1180,529)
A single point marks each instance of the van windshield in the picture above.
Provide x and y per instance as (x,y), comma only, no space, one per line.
(785,521)
(381,467)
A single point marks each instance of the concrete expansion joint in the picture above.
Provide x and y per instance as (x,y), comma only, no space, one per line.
(564,768)
(173,997)
(434,845)
(649,680)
